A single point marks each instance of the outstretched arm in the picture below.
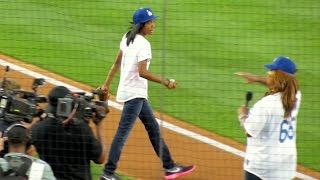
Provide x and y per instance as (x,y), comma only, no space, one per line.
(143,72)
(251,78)
(113,70)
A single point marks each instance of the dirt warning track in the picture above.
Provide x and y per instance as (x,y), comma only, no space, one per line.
(216,157)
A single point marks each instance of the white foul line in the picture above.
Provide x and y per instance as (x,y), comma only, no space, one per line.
(165,124)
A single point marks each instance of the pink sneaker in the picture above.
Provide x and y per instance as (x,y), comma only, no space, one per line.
(177,171)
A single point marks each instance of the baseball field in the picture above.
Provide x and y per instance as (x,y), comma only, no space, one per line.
(201,45)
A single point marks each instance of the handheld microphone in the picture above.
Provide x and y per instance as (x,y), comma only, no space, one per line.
(248,97)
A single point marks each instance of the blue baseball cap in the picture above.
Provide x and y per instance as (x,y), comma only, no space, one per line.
(282,63)
(143,15)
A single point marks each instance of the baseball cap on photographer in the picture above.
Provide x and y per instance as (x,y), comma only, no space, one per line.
(17,134)
(143,15)
(282,63)
(54,94)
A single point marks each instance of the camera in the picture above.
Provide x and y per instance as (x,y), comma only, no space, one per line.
(14,108)
(19,104)
(77,107)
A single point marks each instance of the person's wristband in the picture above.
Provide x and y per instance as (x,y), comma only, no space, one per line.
(168,82)
(164,82)
(241,118)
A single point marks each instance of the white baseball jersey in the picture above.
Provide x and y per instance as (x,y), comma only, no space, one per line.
(271,150)
(131,85)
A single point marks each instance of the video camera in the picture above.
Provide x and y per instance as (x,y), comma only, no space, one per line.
(80,106)
(19,104)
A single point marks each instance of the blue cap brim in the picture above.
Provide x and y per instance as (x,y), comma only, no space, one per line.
(154,17)
(270,66)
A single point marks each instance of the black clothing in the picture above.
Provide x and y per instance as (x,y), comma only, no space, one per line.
(67,149)
(250,176)
(4,125)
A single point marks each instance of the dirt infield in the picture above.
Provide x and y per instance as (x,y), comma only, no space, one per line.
(138,158)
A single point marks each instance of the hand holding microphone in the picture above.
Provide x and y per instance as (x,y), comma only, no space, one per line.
(244,109)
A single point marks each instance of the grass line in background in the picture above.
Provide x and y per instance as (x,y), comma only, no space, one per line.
(206,44)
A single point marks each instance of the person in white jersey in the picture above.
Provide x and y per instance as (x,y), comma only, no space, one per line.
(271,123)
(133,60)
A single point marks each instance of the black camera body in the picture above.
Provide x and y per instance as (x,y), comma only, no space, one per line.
(18,104)
(78,107)
(31,96)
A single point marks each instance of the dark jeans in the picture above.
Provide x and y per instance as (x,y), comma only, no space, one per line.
(250,176)
(132,109)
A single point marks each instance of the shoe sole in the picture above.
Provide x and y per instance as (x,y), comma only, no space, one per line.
(174,176)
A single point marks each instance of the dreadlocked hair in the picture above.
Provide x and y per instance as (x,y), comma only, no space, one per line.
(288,85)
(134,30)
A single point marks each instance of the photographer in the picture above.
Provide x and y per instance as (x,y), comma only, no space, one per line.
(68,148)
(19,105)
(7,85)
(17,163)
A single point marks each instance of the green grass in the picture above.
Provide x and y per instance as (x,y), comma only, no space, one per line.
(206,42)
(96,171)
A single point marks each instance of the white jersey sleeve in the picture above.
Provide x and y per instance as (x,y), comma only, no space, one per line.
(123,42)
(145,51)
(142,45)
(257,119)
